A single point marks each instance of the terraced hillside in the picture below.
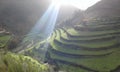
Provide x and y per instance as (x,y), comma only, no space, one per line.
(93,47)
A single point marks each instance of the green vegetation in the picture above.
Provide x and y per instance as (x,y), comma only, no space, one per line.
(10,62)
(68,68)
(3,40)
(85,48)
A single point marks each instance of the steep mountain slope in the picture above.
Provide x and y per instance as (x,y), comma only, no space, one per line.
(109,8)
(66,12)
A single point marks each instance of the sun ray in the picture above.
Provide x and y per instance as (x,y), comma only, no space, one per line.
(81,4)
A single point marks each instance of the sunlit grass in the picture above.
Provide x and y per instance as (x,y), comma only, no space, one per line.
(81,52)
(19,63)
(90,44)
(74,51)
(68,68)
(87,33)
(106,63)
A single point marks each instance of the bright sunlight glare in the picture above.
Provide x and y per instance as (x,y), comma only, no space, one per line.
(81,4)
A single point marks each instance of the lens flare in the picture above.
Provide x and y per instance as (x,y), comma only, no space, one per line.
(60,2)
(43,28)
(81,4)
(46,23)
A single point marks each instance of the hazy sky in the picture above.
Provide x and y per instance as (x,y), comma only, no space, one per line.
(81,4)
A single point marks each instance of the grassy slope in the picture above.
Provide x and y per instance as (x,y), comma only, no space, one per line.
(10,62)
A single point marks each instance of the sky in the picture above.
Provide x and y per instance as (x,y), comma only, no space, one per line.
(81,4)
